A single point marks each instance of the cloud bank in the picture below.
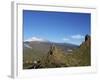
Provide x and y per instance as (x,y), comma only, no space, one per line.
(35,39)
(65,39)
(78,36)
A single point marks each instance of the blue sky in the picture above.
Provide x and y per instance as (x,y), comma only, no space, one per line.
(63,27)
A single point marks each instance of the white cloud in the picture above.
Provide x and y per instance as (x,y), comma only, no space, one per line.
(65,39)
(36,39)
(26,45)
(78,36)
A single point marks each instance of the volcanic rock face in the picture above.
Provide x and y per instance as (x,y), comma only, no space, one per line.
(55,57)
(87,40)
(87,37)
(83,53)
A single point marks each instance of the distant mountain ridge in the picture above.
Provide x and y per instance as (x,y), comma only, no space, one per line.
(44,46)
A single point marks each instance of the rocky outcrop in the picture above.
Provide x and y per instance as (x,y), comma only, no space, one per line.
(55,57)
(79,57)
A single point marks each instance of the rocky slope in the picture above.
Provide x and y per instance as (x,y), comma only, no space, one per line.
(56,57)
(79,57)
